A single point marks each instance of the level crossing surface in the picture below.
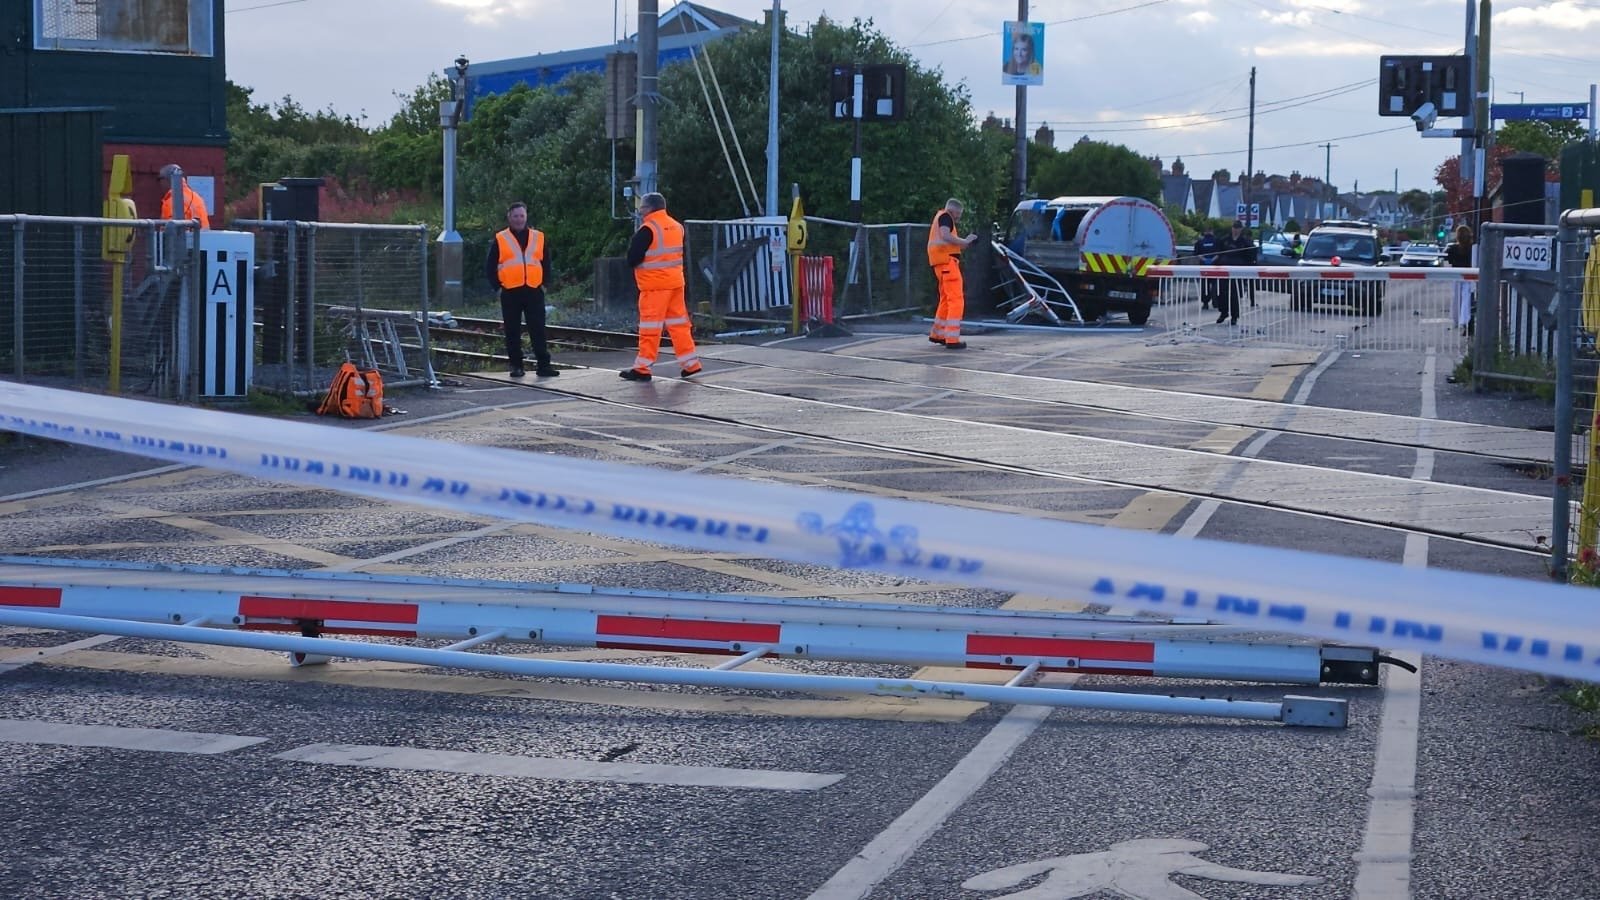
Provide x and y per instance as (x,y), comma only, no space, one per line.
(219,771)
(1497,517)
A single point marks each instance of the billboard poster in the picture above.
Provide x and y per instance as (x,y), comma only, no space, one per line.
(1022,53)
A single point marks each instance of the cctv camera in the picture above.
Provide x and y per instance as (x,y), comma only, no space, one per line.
(1425,116)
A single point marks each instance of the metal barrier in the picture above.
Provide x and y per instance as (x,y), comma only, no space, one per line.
(109,304)
(740,267)
(328,292)
(1576,324)
(1334,308)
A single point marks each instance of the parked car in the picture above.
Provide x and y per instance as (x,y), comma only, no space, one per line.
(1277,250)
(1422,255)
(1341,243)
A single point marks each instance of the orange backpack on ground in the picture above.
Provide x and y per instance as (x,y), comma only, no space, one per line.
(354,394)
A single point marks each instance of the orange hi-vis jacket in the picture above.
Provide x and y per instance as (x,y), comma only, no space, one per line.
(662,268)
(194,207)
(521,267)
(939,252)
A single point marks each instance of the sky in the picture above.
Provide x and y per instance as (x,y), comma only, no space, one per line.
(1167,78)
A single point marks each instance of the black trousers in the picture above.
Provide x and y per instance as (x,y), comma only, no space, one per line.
(1232,290)
(519,305)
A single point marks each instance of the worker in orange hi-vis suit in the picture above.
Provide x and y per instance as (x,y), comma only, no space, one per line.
(944,254)
(656,254)
(194,206)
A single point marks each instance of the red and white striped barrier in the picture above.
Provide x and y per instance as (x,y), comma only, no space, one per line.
(575,615)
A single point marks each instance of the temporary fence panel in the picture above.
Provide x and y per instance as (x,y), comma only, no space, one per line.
(879,270)
(100,303)
(816,289)
(1334,308)
(328,292)
(740,265)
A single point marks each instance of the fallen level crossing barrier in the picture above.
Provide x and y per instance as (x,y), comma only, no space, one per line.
(1547,628)
(318,603)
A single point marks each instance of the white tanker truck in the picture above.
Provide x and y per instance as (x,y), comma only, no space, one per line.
(1095,249)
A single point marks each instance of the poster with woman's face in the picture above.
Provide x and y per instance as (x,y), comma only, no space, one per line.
(1022,53)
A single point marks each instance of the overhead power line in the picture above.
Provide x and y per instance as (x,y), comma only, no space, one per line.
(990,34)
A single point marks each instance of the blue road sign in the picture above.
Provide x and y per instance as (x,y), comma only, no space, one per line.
(1517,112)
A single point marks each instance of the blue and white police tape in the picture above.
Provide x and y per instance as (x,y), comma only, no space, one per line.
(1537,626)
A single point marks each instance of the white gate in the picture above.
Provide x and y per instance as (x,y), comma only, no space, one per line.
(1334,308)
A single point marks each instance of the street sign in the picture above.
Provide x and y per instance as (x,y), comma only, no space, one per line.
(1254,218)
(1522,112)
(1526,253)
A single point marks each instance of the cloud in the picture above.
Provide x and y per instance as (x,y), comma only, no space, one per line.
(1317,48)
(1561,14)
(1200,17)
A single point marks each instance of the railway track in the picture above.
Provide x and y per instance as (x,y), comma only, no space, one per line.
(1220,492)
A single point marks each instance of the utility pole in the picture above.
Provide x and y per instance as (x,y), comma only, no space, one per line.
(1470,123)
(1327,178)
(1485,129)
(649,98)
(772,114)
(1250,151)
(1019,177)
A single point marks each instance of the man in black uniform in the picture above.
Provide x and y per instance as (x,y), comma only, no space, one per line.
(518,263)
(1238,249)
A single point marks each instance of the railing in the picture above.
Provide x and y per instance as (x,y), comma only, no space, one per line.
(1333,308)
(741,268)
(105,304)
(327,292)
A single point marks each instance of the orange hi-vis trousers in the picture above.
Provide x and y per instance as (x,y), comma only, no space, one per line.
(952,302)
(665,308)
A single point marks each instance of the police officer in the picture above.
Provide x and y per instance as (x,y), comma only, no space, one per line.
(1238,249)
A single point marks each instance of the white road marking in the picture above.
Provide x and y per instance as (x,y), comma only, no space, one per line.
(1383,865)
(1202,514)
(889,850)
(22,731)
(423,760)
(36,654)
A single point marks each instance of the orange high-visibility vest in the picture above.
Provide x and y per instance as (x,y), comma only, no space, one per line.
(662,268)
(521,267)
(194,206)
(939,252)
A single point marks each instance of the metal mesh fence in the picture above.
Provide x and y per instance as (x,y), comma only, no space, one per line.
(98,303)
(740,270)
(330,292)
(1575,327)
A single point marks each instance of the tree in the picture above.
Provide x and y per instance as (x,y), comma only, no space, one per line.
(1095,168)
(1458,197)
(909,168)
(1544,137)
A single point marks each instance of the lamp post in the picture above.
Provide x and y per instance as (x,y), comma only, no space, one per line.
(450,249)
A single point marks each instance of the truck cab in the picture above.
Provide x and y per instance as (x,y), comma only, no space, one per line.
(1098,248)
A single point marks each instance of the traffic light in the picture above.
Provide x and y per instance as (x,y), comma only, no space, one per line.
(1441,232)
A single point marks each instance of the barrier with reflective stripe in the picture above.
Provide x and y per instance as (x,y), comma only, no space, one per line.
(1319,307)
(312,603)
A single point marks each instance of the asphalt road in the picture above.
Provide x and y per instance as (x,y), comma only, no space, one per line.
(138,768)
